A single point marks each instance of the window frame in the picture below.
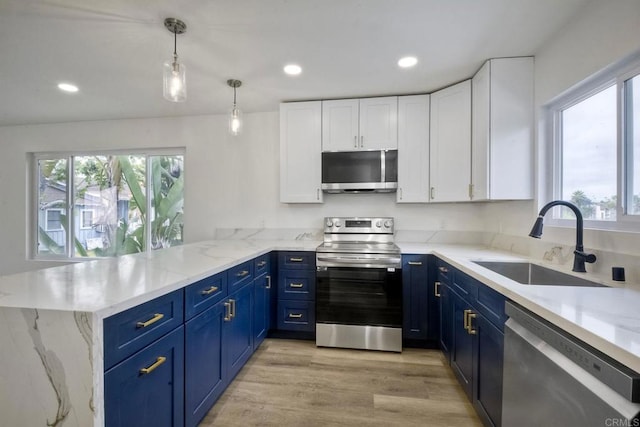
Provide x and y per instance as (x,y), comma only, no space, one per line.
(83,211)
(69,254)
(614,75)
(46,219)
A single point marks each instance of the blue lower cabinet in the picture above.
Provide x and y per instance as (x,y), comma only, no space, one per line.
(261,309)
(147,389)
(446,320)
(415,297)
(462,344)
(487,390)
(297,315)
(238,332)
(204,370)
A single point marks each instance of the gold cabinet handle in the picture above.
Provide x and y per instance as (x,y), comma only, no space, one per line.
(268,283)
(443,269)
(159,361)
(151,321)
(470,191)
(296,259)
(415,262)
(432,192)
(436,289)
(355,141)
(233,308)
(242,273)
(295,315)
(470,329)
(227,312)
(209,291)
(262,263)
(361,141)
(466,319)
(296,285)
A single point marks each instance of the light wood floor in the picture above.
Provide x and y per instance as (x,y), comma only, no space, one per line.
(294,383)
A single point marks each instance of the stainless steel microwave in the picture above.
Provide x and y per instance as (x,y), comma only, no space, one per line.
(360,171)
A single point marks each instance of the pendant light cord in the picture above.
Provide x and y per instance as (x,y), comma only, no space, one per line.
(234,97)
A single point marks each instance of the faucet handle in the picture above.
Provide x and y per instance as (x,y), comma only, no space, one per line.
(590,258)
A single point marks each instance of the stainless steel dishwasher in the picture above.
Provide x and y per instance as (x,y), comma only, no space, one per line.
(553,379)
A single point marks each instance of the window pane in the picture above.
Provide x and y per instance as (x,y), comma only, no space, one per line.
(589,156)
(52,202)
(112,188)
(632,143)
(167,200)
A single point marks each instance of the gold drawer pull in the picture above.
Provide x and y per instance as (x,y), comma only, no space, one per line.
(436,289)
(296,259)
(443,269)
(159,361)
(151,321)
(415,262)
(209,291)
(296,285)
(470,317)
(242,273)
(295,315)
(262,263)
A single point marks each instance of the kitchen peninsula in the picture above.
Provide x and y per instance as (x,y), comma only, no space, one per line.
(52,319)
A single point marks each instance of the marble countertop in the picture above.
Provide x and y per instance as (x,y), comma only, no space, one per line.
(606,318)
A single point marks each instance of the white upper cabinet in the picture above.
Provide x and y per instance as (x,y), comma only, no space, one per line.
(450,144)
(300,152)
(413,149)
(360,124)
(502,130)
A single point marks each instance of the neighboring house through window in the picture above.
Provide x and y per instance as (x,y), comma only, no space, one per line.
(119,203)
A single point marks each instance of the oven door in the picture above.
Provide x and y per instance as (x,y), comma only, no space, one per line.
(359,296)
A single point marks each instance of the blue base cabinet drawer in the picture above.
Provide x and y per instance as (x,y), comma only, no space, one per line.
(129,331)
(262,265)
(297,284)
(204,293)
(297,315)
(240,275)
(298,260)
(147,389)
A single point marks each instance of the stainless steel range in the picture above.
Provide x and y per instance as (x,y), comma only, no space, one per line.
(359,285)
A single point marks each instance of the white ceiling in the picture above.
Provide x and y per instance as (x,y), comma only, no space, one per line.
(114,50)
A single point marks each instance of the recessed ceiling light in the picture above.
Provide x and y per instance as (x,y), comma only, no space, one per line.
(67,87)
(292,69)
(407,61)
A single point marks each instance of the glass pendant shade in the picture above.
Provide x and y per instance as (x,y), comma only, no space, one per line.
(174,81)
(235,121)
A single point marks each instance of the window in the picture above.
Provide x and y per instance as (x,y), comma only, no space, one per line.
(54,219)
(122,203)
(596,155)
(86,218)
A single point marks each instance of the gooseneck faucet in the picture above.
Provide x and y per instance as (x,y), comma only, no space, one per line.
(580,257)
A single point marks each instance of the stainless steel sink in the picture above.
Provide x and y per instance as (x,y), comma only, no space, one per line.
(532,274)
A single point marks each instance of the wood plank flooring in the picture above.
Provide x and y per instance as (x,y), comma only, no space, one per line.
(295,383)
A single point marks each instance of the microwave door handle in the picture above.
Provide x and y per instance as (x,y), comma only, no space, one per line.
(383,166)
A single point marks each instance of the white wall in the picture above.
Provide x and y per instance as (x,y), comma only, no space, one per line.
(602,34)
(230,182)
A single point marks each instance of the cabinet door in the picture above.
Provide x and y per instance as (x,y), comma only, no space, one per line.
(487,375)
(238,333)
(340,125)
(379,123)
(147,389)
(415,298)
(446,320)
(502,143)
(413,149)
(300,152)
(261,309)
(462,345)
(204,374)
(450,144)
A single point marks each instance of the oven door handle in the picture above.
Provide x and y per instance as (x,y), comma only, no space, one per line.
(366,262)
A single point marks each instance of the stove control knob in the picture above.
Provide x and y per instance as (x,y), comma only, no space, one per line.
(379,224)
(329,223)
(388,223)
(337,223)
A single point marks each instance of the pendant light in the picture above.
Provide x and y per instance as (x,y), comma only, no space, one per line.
(174,80)
(235,117)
